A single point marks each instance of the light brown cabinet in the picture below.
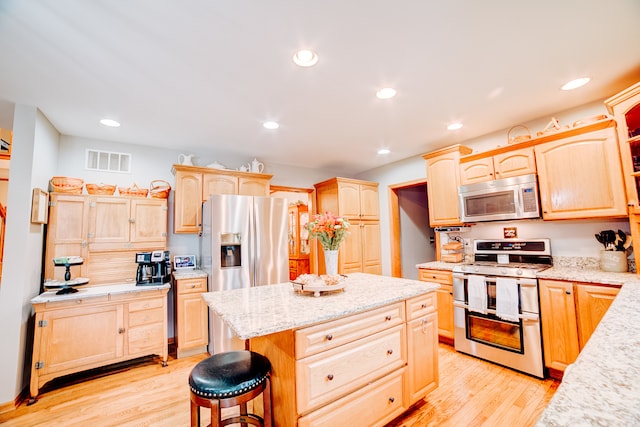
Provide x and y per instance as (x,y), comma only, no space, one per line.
(479,168)
(362,369)
(568,166)
(445,300)
(298,240)
(80,333)
(195,184)
(191,316)
(106,231)
(443,179)
(5,145)
(570,312)
(358,201)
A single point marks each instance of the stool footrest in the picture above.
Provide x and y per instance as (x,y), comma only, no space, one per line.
(247,419)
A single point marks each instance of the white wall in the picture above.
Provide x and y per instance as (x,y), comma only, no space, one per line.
(568,238)
(33,158)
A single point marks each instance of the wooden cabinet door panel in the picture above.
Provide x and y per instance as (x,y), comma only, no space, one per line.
(67,233)
(445,311)
(187,214)
(476,171)
(442,189)
(218,184)
(514,163)
(348,200)
(371,257)
(569,166)
(149,222)
(86,336)
(369,202)
(422,345)
(350,255)
(593,303)
(253,186)
(109,223)
(192,318)
(559,325)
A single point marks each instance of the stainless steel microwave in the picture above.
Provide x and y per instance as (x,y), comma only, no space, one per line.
(500,199)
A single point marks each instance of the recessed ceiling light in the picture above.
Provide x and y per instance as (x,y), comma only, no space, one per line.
(574,84)
(305,58)
(271,125)
(454,126)
(109,122)
(384,151)
(386,93)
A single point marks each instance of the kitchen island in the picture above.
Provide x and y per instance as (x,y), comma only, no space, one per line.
(358,356)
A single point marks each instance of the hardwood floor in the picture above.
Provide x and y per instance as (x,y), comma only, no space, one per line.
(472,392)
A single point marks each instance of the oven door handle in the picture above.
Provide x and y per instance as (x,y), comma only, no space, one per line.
(524,316)
(522,282)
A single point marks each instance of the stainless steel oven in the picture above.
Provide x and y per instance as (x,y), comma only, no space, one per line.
(515,342)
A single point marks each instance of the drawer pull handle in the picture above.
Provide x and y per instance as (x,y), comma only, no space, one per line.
(193,286)
(424,305)
(330,377)
(392,399)
(329,337)
(387,318)
(568,292)
(121,330)
(433,277)
(389,352)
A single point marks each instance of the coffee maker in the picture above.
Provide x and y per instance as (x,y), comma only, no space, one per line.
(153,268)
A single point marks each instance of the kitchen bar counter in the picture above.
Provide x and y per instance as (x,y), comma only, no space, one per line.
(264,310)
(95,291)
(602,387)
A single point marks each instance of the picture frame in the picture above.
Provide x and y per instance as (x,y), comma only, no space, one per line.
(39,206)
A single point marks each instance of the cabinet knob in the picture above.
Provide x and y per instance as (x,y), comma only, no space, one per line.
(121,330)
(423,305)
(329,337)
(567,292)
(330,377)
(387,318)
(132,220)
(392,399)
(389,352)
(433,277)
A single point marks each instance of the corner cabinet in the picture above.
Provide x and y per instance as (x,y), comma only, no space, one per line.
(443,179)
(106,231)
(568,166)
(76,333)
(195,184)
(570,312)
(359,202)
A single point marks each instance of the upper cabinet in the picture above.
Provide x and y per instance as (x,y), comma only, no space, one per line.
(478,168)
(580,177)
(625,107)
(195,184)
(443,179)
(350,198)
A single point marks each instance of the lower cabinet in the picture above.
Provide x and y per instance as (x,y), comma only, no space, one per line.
(191,316)
(77,334)
(445,300)
(362,369)
(570,312)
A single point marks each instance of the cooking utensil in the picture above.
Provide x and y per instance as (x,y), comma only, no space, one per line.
(621,239)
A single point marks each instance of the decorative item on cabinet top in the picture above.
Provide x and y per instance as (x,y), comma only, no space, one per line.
(65,184)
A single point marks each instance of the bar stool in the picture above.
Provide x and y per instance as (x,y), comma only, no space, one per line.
(231,379)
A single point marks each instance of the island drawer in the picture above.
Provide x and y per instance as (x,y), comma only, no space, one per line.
(334,373)
(374,404)
(421,305)
(325,336)
(438,276)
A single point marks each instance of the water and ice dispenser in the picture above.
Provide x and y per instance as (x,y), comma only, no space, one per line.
(230,250)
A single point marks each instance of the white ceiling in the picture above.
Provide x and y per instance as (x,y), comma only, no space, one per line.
(202,75)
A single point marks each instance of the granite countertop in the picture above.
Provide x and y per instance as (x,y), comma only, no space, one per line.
(96,291)
(189,274)
(263,310)
(438,265)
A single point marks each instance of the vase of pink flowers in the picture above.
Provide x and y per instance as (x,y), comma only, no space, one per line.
(330,231)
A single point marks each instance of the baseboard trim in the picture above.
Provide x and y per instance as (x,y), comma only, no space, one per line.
(12,406)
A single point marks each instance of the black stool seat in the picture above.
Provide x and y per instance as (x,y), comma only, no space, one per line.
(229,374)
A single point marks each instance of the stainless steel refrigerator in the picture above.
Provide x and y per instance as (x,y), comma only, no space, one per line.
(243,244)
